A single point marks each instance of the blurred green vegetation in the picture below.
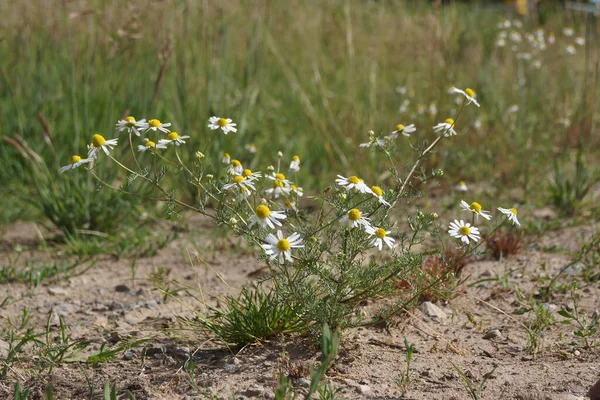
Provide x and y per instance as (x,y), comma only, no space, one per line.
(305,77)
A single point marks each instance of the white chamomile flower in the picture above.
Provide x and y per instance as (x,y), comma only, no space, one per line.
(377,192)
(373,141)
(580,41)
(75,162)
(381,237)
(225,124)
(99,143)
(289,204)
(463,231)
(353,182)
(239,181)
(551,38)
(264,217)
(571,49)
(278,189)
(468,93)
(150,145)
(251,176)
(279,177)
(511,213)
(226,158)
(235,167)
(405,130)
(251,148)
(475,207)
(461,187)
(354,219)
(568,31)
(297,190)
(279,247)
(131,125)
(446,127)
(295,164)
(173,138)
(156,125)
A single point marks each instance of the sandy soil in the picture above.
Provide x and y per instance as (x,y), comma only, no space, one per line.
(476,330)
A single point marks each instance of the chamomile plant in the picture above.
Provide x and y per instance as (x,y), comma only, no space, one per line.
(323,264)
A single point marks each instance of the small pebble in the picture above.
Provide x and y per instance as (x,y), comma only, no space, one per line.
(492,334)
(122,288)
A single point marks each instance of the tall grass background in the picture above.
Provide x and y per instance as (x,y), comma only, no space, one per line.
(305,77)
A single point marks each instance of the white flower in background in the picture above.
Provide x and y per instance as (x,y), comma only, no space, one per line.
(235,167)
(373,141)
(404,130)
(433,109)
(353,182)
(280,248)
(568,31)
(500,42)
(251,148)
(226,158)
(99,143)
(238,182)
(511,213)
(295,164)
(297,190)
(468,93)
(580,41)
(150,145)
(477,124)
(225,124)
(504,24)
(377,192)
(381,237)
(446,127)
(354,219)
(173,138)
(512,109)
(551,38)
(401,89)
(571,49)
(156,125)
(463,231)
(475,208)
(515,37)
(537,64)
(404,106)
(524,56)
(264,217)
(75,162)
(131,125)
(461,187)
(517,23)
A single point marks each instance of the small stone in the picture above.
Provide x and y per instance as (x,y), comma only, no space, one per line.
(576,353)
(122,288)
(550,307)
(492,334)
(431,310)
(128,355)
(304,383)
(151,304)
(364,389)
(594,392)
(63,309)
(236,361)
(57,291)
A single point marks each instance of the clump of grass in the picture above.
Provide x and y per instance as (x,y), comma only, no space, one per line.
(504,243)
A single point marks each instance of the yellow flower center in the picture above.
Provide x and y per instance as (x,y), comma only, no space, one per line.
(154,123)
(75,159)
(173,136)
(238,179)
(236,163)
(353,179)
(130,121)
(98,140)
(289,204)
(246,173)
(470,92)
(222,122)
(226,155)
(280,177)
(514,211)
(475,206)
(293,187)
(354,215)
(262,211)
(150,143)
(296,158)
(462,183)
(464,230)
(283,245)
(377,190)
(380,233)
(449,121)
(277,184)
(399,127)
